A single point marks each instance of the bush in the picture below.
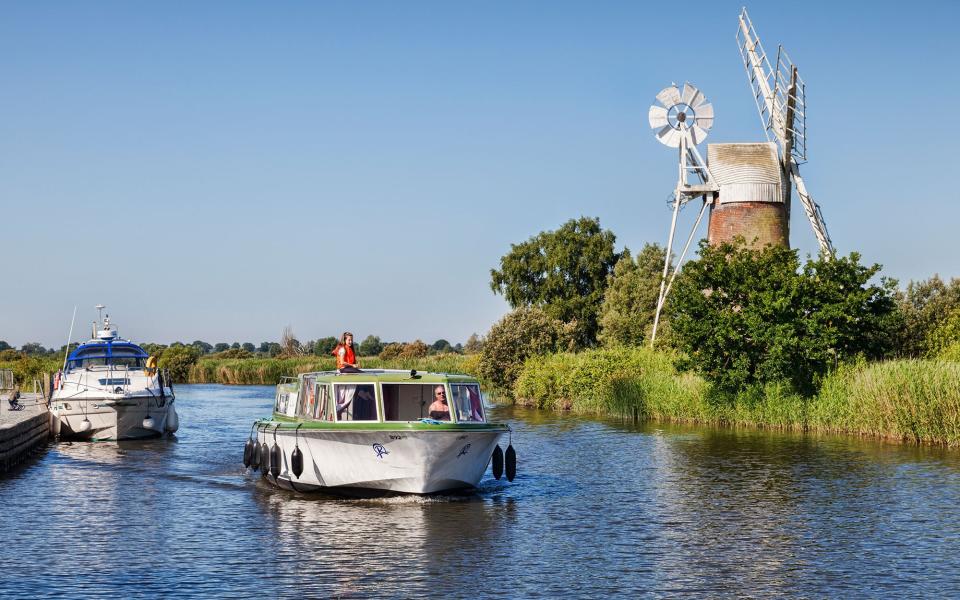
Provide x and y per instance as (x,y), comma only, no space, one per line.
(925,306)
(945,335)
(178,360)
(951,352)
(747,317)
(520,334)
(9,354)
(391,351)
(623,381)
(415,349)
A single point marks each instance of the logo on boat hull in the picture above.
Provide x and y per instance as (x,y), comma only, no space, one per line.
(380,450)
(464,450)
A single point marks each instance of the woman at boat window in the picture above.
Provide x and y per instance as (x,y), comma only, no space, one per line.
(346,357)
(440,410)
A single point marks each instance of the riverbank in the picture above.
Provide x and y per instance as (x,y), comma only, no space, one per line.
(903,400)
(22,431)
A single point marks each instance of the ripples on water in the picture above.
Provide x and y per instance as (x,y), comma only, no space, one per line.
(599,508)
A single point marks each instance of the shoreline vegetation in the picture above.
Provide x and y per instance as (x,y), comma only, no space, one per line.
(748,337)
(906,400)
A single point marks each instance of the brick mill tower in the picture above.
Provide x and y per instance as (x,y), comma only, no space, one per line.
(749,201)
(748,186)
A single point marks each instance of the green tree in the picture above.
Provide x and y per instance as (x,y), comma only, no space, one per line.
(925,306)
(33,349)
(154,349)
(324,346)
(564,272)
(474,344)
(249,347)
(629,304)
(5,346)
(371,346)
(202,346)
(221,347)
(178,360)
(746,317)
(946,334)
(440,346)
(525,332)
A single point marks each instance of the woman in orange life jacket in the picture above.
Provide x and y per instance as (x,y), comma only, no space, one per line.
(346,357)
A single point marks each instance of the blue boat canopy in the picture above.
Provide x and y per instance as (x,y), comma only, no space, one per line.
(107,353)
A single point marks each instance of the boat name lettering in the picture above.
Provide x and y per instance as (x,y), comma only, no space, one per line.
(380,450)
(398,437)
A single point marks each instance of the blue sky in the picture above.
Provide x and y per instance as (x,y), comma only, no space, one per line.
(220,170)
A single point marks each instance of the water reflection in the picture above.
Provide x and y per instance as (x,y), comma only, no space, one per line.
(600,507)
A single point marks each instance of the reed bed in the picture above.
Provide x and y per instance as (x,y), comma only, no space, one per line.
(906,400)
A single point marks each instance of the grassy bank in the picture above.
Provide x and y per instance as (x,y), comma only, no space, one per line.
(907,400)
(268,371)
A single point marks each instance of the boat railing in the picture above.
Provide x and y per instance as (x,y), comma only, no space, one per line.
(115,372)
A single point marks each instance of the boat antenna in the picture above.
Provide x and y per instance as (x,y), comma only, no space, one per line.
(66,351)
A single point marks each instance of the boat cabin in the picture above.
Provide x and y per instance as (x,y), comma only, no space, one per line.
(380,396)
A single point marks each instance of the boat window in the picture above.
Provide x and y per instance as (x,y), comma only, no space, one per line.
(322,411)
(356,402)
(467,402)
(281,404)
(308,397)
(408,401)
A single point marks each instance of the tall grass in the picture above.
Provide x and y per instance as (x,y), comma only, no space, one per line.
(909,400)
(268,371)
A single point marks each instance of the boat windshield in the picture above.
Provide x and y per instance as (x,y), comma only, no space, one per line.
(467,402)
(99,356)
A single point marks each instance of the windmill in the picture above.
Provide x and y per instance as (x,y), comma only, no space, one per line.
(682,120)
(780,95)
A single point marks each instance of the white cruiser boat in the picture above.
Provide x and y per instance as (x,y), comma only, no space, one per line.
(378,431)
(110,389)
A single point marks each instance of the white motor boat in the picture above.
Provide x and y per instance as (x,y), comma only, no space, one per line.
(111,389)
(378,431)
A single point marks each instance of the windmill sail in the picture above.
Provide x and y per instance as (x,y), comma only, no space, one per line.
(780,95)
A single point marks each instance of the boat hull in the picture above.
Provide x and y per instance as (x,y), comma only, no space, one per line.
(413,461)
(113,418)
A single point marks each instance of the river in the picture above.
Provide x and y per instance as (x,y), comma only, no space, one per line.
(599,508)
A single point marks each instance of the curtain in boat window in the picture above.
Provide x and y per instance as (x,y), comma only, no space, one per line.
(356,402)
(467,402)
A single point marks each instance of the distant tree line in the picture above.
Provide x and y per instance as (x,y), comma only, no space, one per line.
(289,346)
